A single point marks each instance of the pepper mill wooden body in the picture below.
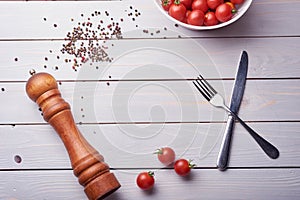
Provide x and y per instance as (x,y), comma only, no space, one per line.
(88,165)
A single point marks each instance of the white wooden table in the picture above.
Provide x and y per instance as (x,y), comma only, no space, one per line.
(144,99)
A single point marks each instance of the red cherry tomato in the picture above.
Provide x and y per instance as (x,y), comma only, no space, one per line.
(187,13)
(196,18)
(177,10)
(183,167)
(200,5)
(145,180)
(187,3)
(213,4)
(210,19)
(236,1)
(165,155)
(224,12)
(231,4)
(166,4)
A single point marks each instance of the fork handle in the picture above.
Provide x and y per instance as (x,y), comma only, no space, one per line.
(223,157)
(268,148)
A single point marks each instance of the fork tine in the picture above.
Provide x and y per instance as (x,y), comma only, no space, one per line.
(207,85)
(201,91)
(203,88)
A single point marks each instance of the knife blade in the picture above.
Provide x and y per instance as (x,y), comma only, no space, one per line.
(236,99)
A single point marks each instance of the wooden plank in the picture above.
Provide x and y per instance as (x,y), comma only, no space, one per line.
(174,59)
(144,100)
(132,145)
(26,20)
(161,101)
(207,184)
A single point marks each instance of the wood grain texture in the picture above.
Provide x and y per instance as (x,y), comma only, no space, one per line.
(160,101)
(175,59)
(204,184)
(144,100)
(41,148)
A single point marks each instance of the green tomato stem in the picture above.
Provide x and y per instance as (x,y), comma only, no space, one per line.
(151,173)
(191,165)
(166,2)
(177,2)
(158,151)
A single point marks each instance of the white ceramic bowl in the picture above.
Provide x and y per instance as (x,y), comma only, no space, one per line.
(241,10)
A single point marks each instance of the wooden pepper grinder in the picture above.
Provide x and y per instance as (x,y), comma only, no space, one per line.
(88,165)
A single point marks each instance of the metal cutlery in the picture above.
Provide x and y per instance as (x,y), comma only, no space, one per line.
(236,99)
(214,98)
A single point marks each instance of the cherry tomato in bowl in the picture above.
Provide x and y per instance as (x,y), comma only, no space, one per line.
(178,11)
(187,3)
(200,5)
(241,9)
(166,4)
(213,4)
(210,19)
(237,1)
(224,12)
(196,17)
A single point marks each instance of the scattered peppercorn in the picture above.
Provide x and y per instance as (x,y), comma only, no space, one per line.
(86,41)
(32,72)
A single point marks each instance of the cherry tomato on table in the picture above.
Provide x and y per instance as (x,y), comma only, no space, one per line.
(177,10)
(183,167)
(224,12)
(145,180)
(196,18)
(165,155)
(213,4)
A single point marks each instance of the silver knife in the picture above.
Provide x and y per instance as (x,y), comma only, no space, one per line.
(236,99)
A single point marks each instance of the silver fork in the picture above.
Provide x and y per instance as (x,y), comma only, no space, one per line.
(214,98)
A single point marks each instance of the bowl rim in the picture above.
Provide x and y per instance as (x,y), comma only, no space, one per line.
(246,5)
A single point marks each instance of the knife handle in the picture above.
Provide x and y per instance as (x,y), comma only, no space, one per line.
(266,146)
(223,157)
